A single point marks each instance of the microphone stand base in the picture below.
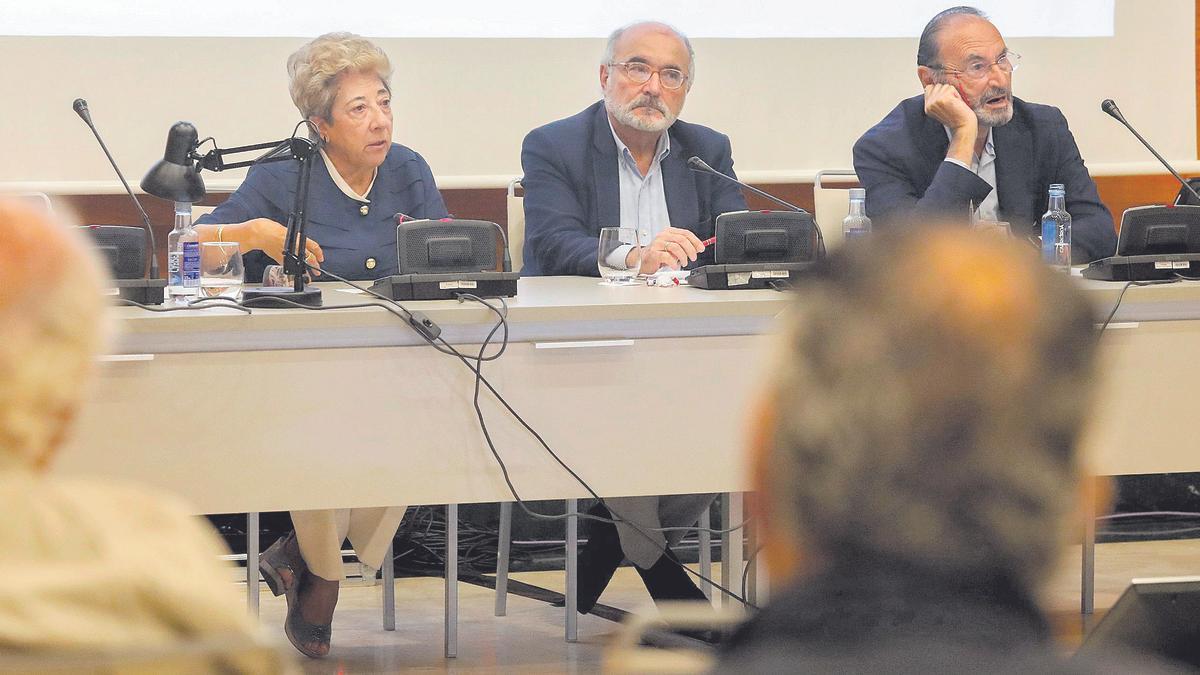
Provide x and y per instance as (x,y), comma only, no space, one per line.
(281,297)
(142,291)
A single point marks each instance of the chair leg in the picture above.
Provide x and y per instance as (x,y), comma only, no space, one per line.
(389,589)
(502,559)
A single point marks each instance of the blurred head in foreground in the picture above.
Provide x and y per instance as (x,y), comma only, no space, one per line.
(925,411)
(51,329)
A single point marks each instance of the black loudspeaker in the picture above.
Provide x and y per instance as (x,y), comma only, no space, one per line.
(1158,617)
(758,249)
(1155,242)
(440,259)
(123,247)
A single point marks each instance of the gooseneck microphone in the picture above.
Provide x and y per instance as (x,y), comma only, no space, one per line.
(1110,107)
(696,164)
(81,108)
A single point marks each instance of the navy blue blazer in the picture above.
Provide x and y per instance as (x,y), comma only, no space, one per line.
(572,189)
(403,184)
(900,162)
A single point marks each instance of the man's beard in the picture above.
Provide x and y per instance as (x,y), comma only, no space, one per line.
(994,118)
(625,113)
(989,118)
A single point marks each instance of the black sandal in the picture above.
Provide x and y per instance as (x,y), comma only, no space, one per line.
(299,632)
(284,554)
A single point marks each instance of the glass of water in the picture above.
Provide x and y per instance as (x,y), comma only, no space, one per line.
(221,271)
(619,245)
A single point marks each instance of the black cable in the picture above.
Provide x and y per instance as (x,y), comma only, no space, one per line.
(481,380)
(749,563)
(405,314)
(194,305)
(1121,295)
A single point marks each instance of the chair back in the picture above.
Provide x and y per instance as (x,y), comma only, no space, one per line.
(831,202)
(516,225)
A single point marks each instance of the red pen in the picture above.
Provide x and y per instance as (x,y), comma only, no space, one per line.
(708,242)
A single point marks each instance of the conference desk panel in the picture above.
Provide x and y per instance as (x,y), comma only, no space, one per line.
(641,390)
(258,413)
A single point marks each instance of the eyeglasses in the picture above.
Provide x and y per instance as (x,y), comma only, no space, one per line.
(639,73)
(1008,62)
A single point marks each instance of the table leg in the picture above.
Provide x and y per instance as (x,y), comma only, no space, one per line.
(389,589)
(502,558)
(451,581)
(252,549)
(572,565)
(1087,599)
(705,538)
(732,555)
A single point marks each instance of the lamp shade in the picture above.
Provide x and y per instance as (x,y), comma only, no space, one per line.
(175,177)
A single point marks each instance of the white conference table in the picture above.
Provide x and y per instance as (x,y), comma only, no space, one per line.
(641,390)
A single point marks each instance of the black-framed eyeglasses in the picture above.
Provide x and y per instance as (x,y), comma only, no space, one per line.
(639,73)
(1008,62)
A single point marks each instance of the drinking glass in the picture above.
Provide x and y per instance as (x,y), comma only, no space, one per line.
(996,228)
(616,243)
(221,271)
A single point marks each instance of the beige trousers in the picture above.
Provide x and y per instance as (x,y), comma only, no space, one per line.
(321,533)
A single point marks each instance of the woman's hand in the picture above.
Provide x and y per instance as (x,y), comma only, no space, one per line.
(269,237)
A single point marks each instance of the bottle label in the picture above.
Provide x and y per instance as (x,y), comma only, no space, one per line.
(190,266)
(174,274)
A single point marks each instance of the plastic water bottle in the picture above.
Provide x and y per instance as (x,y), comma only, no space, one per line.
(1056,229)
(856,225)
(183,256)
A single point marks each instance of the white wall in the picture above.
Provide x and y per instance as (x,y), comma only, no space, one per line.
(791,106)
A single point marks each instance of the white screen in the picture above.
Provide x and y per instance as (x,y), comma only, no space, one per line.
(791,106)
(540,18)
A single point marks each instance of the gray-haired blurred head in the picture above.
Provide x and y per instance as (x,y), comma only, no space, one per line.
(51,329)
(926,407)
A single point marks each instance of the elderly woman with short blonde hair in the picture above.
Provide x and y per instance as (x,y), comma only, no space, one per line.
(340,83)
(364,181)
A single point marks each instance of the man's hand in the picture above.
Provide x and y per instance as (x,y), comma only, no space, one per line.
(945,103)
(673,247)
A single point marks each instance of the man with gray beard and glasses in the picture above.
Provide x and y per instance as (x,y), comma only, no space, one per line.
(623,162)
(968,143)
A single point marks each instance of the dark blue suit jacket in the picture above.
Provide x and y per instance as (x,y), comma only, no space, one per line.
(403,184)
(900,162)
(572,189)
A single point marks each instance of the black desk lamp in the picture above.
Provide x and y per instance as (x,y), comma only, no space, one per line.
(176,177)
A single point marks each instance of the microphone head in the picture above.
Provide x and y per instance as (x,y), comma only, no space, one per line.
(696,164)
(81,109)
(1109,106)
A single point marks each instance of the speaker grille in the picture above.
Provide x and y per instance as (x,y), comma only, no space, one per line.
(1157,230)
(764,237)
(123,247)
(433,246)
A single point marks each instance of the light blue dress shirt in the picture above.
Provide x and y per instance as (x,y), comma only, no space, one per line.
(983,166)
(643,199)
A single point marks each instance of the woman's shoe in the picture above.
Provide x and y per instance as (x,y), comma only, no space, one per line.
(299,632)
(283,555)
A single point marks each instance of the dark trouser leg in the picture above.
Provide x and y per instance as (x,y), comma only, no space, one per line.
(598,560)
(667,580)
